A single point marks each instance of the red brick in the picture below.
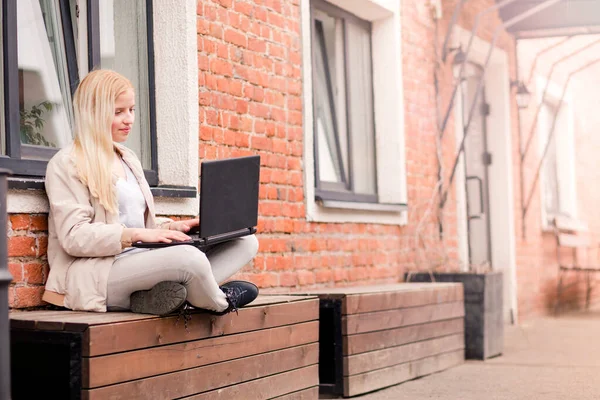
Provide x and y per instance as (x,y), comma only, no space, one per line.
(21,246)
(28,296)
(323,275)
(306,278)
(235,37)
(225,3)
(264,280)
(11,297)
(287,279)
(16,270)
(19,221)
(42,247)
(34,273)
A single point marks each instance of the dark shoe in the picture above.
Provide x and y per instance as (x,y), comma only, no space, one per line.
(164,298)
(239,294)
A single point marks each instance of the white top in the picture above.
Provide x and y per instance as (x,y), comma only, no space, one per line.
(132,205)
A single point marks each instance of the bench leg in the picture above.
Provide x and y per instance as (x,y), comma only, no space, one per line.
(558,291)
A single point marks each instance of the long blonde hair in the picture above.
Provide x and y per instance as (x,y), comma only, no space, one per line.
(94,106)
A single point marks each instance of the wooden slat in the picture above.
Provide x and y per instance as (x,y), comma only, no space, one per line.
(361,303)
(370,381)
(381,320)
(263,300)
(305,394)
(106,339)
(373,360)
(90,318)
(269,387)
(202,379)
(394,287)
(121,367)
(29,319)
(32,319)
(363,342)
(567,240)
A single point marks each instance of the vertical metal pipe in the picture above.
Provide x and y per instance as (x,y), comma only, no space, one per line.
(5,279)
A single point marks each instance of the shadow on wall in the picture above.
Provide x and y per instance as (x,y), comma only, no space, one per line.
(573,292)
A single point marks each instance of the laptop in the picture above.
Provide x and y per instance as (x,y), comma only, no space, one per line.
(228,203)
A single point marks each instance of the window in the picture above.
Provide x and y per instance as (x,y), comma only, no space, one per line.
(353,111)
(557,173)
(344,130)
(46,46)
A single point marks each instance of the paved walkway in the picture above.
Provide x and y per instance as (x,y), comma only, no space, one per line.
(549,358)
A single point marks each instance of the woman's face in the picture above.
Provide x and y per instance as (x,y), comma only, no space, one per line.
(124,116)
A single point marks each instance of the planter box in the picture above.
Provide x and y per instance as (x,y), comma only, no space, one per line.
(484,321)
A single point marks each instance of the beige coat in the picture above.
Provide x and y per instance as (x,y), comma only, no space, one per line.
(83,238)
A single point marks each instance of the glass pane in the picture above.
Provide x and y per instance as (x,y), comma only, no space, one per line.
(330,96)
(124,48)
(44,92)
(360,109)
(550,167)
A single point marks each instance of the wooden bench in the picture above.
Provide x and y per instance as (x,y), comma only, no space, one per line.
(574,253)
(269,351)
(377,336)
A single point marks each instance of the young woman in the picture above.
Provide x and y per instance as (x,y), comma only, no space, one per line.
(100,203)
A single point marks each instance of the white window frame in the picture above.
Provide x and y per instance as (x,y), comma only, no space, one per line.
(566,162)
(177,119)
(389,118)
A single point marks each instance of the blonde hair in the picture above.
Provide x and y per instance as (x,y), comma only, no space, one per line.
(94,107)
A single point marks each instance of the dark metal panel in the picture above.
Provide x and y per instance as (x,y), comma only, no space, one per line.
(5,279)
(69,38)
(53,360)
(331,352)
(24,167)
(151,90)
(11,79)
(345,196)
(93,25)
(151,176)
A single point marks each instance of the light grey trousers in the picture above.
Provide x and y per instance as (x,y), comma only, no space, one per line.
(200,272)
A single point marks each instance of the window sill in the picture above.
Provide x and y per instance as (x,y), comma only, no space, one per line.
(569,223)
(180,192)
(377,207)
(159,191)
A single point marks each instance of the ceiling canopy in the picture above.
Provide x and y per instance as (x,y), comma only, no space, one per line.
(564,18)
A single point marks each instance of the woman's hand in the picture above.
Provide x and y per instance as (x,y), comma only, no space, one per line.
(158,235)
(184,225)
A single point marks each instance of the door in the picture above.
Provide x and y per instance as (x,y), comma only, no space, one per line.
(477,160)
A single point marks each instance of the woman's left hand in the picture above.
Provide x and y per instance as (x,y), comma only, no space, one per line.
(184,225)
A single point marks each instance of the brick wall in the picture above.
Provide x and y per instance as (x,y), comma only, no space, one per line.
(250,78)
(27,244)
(537,271)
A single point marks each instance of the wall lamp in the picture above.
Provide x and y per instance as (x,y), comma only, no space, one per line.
(523,94)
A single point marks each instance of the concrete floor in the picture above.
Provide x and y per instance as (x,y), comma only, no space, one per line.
(549,358)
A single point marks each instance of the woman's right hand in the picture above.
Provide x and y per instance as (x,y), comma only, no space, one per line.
(158,235)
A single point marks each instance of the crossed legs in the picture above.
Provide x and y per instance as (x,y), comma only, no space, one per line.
(200,272)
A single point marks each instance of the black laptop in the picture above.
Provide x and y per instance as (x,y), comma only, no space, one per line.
(228,202)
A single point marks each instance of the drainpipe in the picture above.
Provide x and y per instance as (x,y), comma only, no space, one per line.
(5,279)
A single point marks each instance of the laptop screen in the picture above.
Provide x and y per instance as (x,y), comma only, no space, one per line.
(229,195)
